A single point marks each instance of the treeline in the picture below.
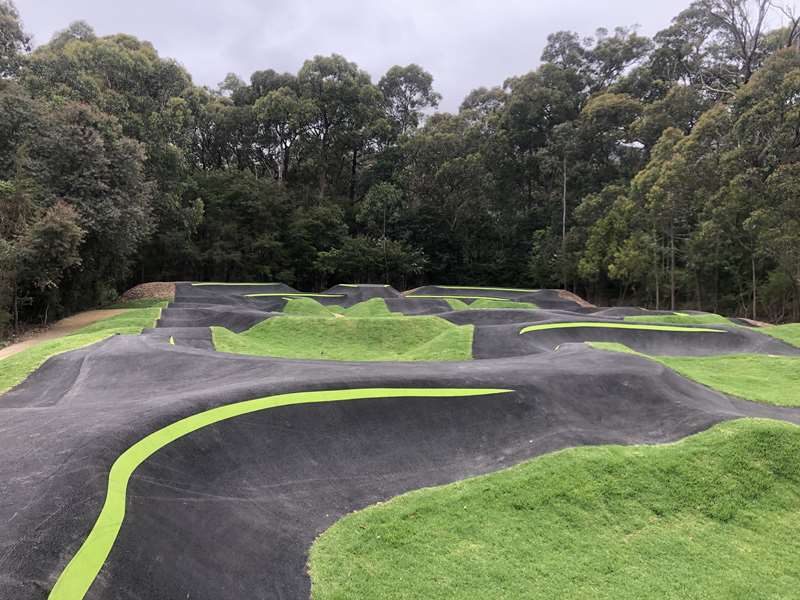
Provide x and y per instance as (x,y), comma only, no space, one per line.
(661,172)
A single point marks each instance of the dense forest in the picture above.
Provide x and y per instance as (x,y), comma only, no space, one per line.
(656,171)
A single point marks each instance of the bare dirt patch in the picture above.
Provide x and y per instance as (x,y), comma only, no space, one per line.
(59,329)
(566,295)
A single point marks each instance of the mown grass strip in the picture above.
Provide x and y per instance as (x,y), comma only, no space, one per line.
(755,377)
(79,574)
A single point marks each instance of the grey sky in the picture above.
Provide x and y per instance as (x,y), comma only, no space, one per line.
(463,43)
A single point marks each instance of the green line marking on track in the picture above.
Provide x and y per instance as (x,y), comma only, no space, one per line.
(544,326)
(79,574)
(171,340)
(488,289)
(222,283)
(356,285)
(455,297)
(297,295)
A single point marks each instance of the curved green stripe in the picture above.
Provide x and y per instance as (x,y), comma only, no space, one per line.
(223,283)
(285,295)
(80,573)
(488,289)
(544,326)
(460,297)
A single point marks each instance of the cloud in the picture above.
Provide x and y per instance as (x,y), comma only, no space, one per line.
(463,43)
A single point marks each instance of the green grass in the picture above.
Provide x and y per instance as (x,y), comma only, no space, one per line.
(756,377)
(454,297)
(306,307)
(713,517)
(140,303)
(789,333)
(293,295)
(137,318)
(15,368)
(682,319)
(595,325)
(374,307)
(491,303)
(457,304)
(453,344)
(362,339)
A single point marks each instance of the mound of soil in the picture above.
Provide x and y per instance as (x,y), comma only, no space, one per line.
(156,290)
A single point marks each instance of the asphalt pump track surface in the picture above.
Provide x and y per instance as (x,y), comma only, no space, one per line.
(141,469)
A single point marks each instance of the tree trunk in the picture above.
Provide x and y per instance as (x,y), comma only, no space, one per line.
(657,274)
(353,170)
(672,265)
(385,258)
(753,271)
(564,226)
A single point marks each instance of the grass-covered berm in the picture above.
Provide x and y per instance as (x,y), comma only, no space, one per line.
(361,338)
(755,377)
(713,516)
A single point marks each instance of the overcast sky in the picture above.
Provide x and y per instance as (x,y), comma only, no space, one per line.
(464,43)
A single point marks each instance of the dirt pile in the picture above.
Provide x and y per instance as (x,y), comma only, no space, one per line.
(156,290)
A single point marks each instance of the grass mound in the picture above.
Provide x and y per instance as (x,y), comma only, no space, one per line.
(306,307)
(140,303)
(372,308)
(756,377)
(386,338)
(457,304)
(490,303)
(789,333)
(712,516)
(15,368)
(682,319)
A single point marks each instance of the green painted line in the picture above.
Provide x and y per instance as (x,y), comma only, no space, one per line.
(355,285)
(488,289)
(196,284)
(78,576)
(298,295)
(460,297)
(171,340)
(544,326)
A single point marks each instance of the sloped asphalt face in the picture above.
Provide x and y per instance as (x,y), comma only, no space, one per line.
(230,511)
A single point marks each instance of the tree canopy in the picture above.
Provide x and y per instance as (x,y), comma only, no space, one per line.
(661,171)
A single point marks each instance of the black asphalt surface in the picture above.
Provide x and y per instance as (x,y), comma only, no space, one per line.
(230,511)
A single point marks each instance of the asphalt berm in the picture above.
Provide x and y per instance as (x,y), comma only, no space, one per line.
(229,509)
